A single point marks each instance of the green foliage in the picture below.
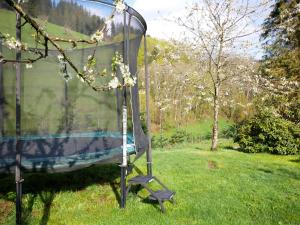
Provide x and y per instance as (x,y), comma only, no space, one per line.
(266,132)
(281,64)
(153,45)
(286,105)
(229,132)
(179,136)
(281,30)
(159,141)
(190,133)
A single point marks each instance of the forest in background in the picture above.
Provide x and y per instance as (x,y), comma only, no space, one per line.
(68,14)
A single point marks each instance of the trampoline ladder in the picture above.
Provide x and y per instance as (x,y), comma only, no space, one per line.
(160,195)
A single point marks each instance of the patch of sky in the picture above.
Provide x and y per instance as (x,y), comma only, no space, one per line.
(96,8)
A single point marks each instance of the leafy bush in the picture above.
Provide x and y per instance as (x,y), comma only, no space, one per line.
(179,136)
(266,132)
(229,132)
(159,141)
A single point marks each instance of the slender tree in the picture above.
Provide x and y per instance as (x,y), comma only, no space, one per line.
(219,29)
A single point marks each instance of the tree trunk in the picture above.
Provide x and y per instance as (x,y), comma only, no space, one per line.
(215,129)
(160,121)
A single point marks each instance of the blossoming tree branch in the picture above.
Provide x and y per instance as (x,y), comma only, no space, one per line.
(89,72)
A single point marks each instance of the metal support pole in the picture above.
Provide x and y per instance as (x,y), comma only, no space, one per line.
(147,83)
(18,175)
(2,100)
(123,186)
(124,158)
(66,105)
(124,161)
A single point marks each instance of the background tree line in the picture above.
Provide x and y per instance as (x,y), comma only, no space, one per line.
(261,97)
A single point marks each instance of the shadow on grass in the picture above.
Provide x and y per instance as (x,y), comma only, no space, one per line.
(295,160)
(154,203)
(288,173)
(265,170)
(45,186)
(230,147)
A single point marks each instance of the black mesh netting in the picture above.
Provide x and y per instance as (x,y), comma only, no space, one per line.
(66,125)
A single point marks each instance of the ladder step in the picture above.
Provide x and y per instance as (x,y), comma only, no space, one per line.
(140,180)
(162,194)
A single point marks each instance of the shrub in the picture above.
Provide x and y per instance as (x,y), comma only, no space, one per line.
(266,132)
(159,141)
(179,136)
(229,132)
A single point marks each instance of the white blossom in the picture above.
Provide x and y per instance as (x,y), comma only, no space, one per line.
(28,65)
(129,81)
(125,71)
(60,57)
(114,83)
(209,99)
(120,6)
(98,36)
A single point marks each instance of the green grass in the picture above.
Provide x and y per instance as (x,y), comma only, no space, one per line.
(225,187)
(198,129)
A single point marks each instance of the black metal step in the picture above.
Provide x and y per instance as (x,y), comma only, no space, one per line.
(162,194)
(140,180)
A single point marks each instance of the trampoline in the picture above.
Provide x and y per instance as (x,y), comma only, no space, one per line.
(59,124)
(50,120)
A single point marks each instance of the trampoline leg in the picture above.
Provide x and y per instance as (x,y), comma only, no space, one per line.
(163,209)
(18,202)
(123,186)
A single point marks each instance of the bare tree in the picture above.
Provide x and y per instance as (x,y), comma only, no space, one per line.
(220,29)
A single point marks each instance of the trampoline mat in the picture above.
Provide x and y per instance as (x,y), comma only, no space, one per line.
(63,152)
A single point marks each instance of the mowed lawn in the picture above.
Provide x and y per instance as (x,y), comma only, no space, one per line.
(225,187)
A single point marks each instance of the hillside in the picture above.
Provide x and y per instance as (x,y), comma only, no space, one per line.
(8,19)
(152,44)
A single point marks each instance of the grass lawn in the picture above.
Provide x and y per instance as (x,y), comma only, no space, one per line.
(225,187)
(198,129)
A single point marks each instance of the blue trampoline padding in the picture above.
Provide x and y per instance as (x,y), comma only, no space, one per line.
(72,135)
(64,152)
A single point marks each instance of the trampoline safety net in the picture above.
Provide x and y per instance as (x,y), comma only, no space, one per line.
(64,123)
